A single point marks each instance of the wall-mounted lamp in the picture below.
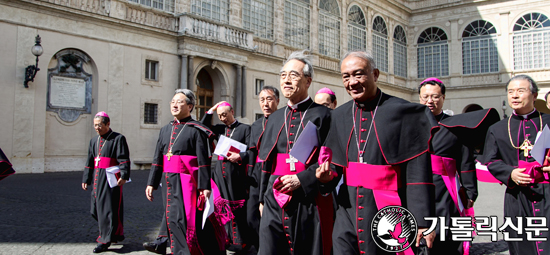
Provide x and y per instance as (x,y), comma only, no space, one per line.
(504,109)
(30,71)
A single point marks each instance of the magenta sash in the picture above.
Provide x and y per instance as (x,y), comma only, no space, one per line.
(382,179)
(485,176)
(187,167)
(283,168)
(537,176)
(446,167)
(105,162)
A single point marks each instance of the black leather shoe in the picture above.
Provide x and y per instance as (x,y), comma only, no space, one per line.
(156,248)
(101,247)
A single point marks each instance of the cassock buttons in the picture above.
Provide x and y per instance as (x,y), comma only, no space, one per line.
(363,129)
(292,125)
(360,219)
(363,119)
(361,196)
(361,241)
(293,118)
(361,207)
(360,230)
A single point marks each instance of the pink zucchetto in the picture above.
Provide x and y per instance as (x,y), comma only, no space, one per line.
(102,114)
(325,90)
(224,104)
(431,79)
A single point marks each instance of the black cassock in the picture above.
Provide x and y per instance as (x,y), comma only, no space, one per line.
(6,168)
(254,173)
(107,203)
(399,138)
(186,137)
(297,228)
(231,178)
(501,158)
(455,142)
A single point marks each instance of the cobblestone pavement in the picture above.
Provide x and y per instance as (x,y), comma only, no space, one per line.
(49,214)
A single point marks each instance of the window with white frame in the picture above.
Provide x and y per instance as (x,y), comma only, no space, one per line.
(297,23)
(399,51)
(433,53)
(531,42)
(165,5)
(259,86)
(357,29)
(329,28)
(258,17)
(151,70)
(217,10)
(380,43)
(479,48)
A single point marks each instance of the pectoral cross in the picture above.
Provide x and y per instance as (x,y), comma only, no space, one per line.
(292,160)
(97,159)
(169,154)
(526,146)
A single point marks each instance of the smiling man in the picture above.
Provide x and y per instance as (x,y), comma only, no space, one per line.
(292,227)
(108,149)
(382,141)
(508,157)
(182,162)
(230,173)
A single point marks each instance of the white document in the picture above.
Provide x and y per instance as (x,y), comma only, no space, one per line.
(225,144)
(306,142)
(111,178)
(208,209)
(541,144)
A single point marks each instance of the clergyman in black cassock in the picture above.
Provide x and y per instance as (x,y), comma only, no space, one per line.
(269,100)
(377,138)
(182,162)
(453,147)
(230,174)
(108,149)
(507,155)
(294,227)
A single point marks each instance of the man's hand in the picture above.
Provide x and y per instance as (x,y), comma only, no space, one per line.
(121,182)
(234,157)
(324,174)
(429,238)
(205,193)
(85,186)
(261,209)
(215,107)
(520,178)
(288,183)
(470,203)
(149,193)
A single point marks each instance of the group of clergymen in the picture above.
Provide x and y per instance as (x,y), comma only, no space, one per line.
(373,151)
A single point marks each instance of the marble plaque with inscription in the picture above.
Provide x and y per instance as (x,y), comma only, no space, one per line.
(68,92)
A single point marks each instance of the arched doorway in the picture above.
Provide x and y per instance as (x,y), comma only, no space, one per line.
(471,108)
(204,92)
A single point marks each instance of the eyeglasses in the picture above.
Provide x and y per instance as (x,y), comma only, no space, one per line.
(294,76)
(177,102)
(98,125)
(434,97)
(268,99)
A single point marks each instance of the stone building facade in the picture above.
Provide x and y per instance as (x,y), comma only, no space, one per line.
(126,57)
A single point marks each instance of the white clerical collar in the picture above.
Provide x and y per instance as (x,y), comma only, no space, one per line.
(296,105)
(235,121)
(525,115)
